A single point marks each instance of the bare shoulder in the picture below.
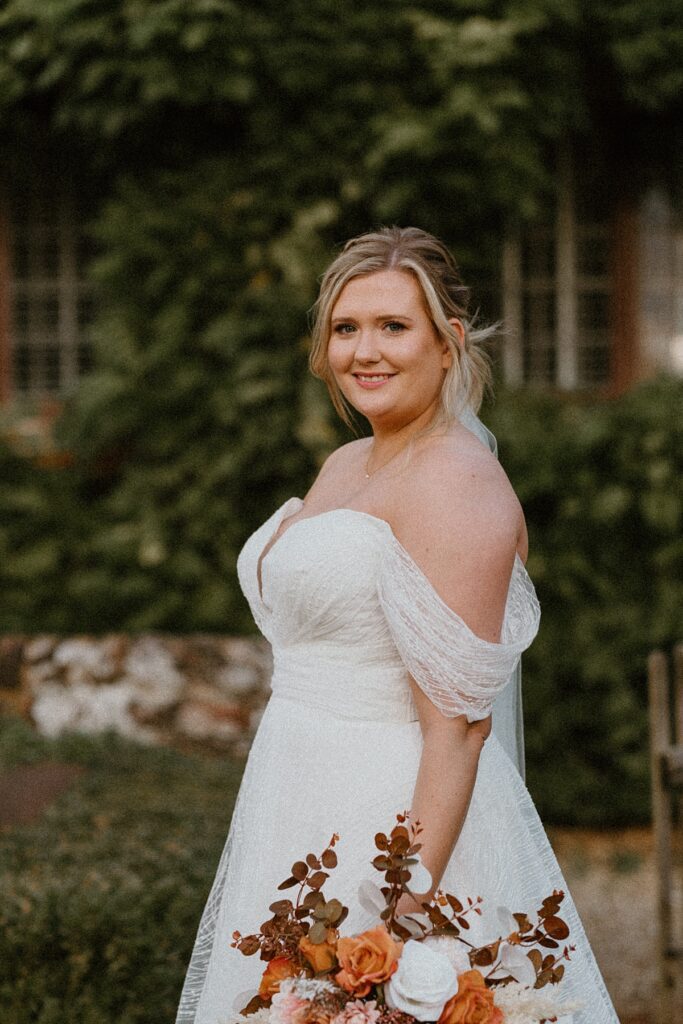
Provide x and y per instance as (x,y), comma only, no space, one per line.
(344,456)
(335,472)
(455,484)
(461,521)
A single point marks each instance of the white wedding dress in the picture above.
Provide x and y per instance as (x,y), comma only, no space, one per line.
(349,614)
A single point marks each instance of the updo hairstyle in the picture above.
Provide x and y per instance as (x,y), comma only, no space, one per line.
(418,253)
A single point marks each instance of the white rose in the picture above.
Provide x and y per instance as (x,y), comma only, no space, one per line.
(451,948)
(423,982)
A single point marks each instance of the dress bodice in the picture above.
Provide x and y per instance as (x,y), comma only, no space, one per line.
(349,614)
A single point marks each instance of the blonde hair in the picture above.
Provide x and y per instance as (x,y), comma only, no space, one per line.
(425,257)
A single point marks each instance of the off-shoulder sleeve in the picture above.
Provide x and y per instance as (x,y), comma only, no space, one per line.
(459,672)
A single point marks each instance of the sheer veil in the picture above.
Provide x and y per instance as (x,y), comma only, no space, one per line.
(508,722)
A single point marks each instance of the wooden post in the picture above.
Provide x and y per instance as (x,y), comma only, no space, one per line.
(666,762)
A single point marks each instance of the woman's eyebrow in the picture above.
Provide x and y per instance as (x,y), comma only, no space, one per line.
(379,316)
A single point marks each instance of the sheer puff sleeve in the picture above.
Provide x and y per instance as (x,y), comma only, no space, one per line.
(459,672)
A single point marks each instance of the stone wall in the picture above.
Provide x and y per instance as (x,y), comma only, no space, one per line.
(155,688)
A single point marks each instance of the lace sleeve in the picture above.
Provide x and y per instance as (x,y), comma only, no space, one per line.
(459,672)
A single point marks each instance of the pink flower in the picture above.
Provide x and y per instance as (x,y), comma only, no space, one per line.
(287,1007)
(357,1012)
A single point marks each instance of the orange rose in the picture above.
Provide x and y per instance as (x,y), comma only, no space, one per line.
(278,969)
(366,960)
(472,1003)
(322,956)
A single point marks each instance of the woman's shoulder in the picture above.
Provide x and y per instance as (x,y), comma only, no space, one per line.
(454,483)
(346,455)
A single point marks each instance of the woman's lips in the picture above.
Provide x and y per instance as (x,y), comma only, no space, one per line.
(371,381)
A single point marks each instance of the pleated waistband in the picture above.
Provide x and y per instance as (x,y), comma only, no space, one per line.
(364,692)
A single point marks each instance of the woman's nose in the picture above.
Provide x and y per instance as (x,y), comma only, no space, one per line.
(367,349)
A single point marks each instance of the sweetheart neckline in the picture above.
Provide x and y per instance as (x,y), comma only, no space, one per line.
(272,543)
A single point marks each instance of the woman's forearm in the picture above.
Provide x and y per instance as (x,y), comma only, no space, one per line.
(443,789)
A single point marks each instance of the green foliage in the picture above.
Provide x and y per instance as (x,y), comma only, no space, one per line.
(101,897)
(601,489)
(224,147)
(600,484)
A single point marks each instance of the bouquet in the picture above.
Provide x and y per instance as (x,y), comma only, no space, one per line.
(410,967)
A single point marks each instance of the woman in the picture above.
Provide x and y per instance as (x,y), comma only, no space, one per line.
(397,604)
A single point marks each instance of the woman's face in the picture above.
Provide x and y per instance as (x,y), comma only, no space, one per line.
(384,351)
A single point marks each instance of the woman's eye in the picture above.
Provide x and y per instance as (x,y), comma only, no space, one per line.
(393,326)
(343,328)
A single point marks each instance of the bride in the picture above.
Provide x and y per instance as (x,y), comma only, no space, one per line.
(397,603)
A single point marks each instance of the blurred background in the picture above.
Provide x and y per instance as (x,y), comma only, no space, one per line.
(174,177)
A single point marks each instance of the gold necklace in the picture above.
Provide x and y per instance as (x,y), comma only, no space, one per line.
(394,456)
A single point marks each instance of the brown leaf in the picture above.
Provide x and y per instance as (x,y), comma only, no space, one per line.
(381,863)
(312,899)
(281,906)
(313,861)
(317,879)
(454,903)
(381,841)
(318,932)
(558,974)
(288,883)
(523,922)
(333,909)
(299,870)
(463,922)
(536,959)
(548,943)
(556,927)
(254,1004)
(329,859)
(249,945)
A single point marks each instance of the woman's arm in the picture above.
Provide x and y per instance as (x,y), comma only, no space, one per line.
(463,533)
(445,780)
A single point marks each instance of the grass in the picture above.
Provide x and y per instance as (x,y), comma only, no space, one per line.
(100,898)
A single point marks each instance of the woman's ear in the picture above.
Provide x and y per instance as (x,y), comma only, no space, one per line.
(459,329)
(460,335)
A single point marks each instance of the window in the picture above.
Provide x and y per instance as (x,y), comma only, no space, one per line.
(557,294)
(50,305)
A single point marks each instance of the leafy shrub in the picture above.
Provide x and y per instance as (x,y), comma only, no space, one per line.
(601,487)
(101,897)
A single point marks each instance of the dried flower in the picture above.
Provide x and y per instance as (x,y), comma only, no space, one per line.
(358,1012)
(522,1005)
(278,969)
(388,1016)
(287,1007)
